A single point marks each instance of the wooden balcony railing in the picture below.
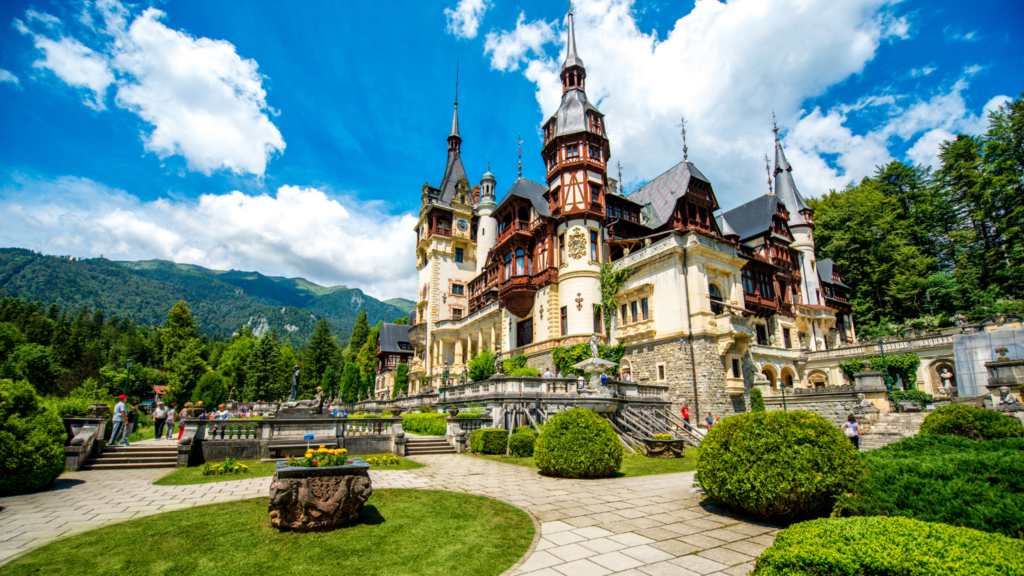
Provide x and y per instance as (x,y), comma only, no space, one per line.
(516,226)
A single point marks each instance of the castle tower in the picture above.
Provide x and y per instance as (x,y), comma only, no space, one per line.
(801,224)
(576,153)
(487,226)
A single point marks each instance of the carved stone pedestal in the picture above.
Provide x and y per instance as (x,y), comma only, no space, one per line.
(318,499)
(664,448)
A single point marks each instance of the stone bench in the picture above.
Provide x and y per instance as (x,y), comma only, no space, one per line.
(298,444)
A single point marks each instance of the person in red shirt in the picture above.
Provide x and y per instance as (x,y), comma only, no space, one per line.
(686,414)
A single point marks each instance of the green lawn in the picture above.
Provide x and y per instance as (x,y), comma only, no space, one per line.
(257,469)
(631,465)
(414,532)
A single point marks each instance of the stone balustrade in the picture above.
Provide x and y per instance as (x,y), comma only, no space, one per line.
(84,440)
(891,347)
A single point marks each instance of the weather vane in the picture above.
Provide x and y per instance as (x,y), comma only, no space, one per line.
(768,169)
(682,127)
(456,81)
(775,126)
(619,165)
(520,143)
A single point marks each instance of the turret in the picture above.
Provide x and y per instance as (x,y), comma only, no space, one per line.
(487,226)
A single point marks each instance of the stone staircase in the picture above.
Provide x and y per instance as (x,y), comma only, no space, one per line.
(419,445)
(890,428)
(134,457)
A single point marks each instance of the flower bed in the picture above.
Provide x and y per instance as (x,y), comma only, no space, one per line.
(320,458)
(228,466)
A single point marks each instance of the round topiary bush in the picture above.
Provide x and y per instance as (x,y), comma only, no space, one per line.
(526,430)
(521,445)
(971,422)
(578,444)
(880,546)
(777,465)
(31,440)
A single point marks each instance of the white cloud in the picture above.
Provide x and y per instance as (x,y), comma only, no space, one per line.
(957,35)
(926,150)
(922,71)
(204,101)
(328,239)
(725,66)
(7,76)
(464,20)
(508,49)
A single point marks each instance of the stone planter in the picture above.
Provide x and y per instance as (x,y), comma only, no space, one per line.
(664,448)
(318,499)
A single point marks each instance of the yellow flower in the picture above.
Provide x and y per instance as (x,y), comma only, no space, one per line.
(323,446)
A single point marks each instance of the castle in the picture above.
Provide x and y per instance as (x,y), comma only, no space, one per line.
(714,305)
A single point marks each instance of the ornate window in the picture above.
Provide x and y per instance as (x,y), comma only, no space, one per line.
(458,289)
(561,248)
(593,246)
(716,299)
(524,332)
(520,262)
(643,308)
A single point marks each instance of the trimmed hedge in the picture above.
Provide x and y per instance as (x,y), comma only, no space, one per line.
(526,430)
(488,440)
(777,465)
(425,424)
(756,400)
(918,397)
(971,422)
(31,440)
(879,546)
(945,479)
(521,445)
(577,443)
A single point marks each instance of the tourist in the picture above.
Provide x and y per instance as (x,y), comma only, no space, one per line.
(548,374)
(172,415)
(159,420)
(198,411)
(710,420)
(852,430)
(686,416)
(560,375)
(581,383)
(626,377)
(120,422)
(222,413)
(186,412)
(604,378)
(718,419)
(133,417)
(344,413)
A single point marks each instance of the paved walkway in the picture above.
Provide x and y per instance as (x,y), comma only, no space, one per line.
(652,525)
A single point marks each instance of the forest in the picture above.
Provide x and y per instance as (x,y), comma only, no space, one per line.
(922,247)
(85,355)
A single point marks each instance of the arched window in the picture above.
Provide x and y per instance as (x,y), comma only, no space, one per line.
(716,299)
(519,262)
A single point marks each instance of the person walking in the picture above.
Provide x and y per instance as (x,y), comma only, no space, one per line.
(172,415)
(117,435)
(159,420)
(186,412)
(548,374)
(852,430)
(710,420)
(686,416)
(133,418)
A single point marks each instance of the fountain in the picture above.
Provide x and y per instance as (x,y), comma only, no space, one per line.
(596,396)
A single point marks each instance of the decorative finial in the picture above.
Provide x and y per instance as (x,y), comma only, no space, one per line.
(775,126)
(520,143)
(682,127)
(489,163)
(619,165)
(768,169)
(456,81)
(570,6)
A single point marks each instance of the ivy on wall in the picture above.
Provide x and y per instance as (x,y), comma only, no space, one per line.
(903,366)
(565,356)
(611,282)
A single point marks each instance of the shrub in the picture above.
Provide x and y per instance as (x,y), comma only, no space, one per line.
(67,407)
(971,422)
(425,424)
(212,390)
(777,465)
(514,363)
(577,443)
(756,400)
(916,396)
(31,440)
(488,440)
(469,414)
(524,371)
(565,357)
(481,367)
(526,430)
(879,546)
(946,479)
(521,445)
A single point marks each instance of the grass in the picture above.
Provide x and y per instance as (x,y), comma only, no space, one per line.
(414,532)
(257,469)
(632,466)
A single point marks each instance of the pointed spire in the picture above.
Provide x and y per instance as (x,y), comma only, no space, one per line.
(682,127)
(571,57)
(454,140)
(520,143)
(785,186)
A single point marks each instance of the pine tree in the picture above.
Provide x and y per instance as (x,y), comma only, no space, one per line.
(1004,159)
(350,383)
(233,360)
(184,371)
(360,332)
(367,362)
(181,328)
(401,380)
(316,359)
(265,378)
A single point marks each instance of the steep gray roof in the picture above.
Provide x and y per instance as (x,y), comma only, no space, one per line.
(390,335)
(453,172)
(662,193)
(754,217)
(571,116)
(723,225)
(530,190)
(785,186)
(825,268)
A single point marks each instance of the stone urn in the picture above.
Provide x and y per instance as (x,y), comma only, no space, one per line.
(664,448)
(98,409)
(318,499)
(397,411)
(453,411)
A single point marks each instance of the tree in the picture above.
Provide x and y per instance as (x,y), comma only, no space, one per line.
(329,382)
(181,328)
(184,370)
(10,339)
(401,380)
(401,321)
(350,383)
(31,362)
(319,355)
(212,390)
(233,360)
(367,362)
(360,333)
(266,376)
(1004,160)
(481,366)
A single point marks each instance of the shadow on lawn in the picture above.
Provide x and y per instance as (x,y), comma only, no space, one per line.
(370,516)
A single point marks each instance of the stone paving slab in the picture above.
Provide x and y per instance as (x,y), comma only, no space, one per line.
(646,526)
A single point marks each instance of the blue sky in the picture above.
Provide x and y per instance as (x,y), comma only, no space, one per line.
(293,138)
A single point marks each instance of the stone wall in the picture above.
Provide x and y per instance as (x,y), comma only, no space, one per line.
(674,353)
(832,407)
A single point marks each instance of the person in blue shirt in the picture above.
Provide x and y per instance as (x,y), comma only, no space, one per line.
(120,422)
(852,430)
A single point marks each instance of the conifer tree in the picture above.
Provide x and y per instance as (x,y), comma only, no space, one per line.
(265,375)
(367,362)
(360,332)
(184,371)
(401,380)
(181,328)
(317,358)
(350,383)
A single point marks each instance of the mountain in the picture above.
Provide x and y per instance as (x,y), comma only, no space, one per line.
(222,300)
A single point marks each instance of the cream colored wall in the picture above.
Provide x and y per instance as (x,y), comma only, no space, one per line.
(578,278)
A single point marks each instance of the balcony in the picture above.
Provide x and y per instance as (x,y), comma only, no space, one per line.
(756,300)
(517,227)
(516,294)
